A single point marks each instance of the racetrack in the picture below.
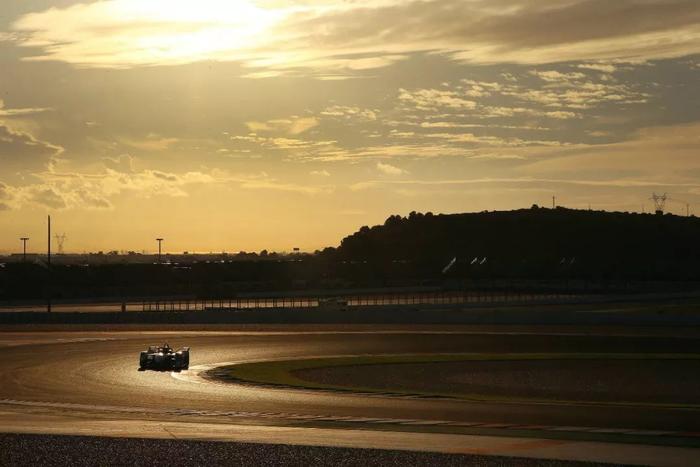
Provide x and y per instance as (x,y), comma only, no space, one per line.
(94,375)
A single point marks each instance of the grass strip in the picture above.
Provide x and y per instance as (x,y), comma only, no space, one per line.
(280,373)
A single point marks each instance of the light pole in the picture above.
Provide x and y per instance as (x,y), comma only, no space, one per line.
(24,248)
(159,240)
(48,263)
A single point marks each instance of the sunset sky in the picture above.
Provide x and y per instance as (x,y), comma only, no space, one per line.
(242,125)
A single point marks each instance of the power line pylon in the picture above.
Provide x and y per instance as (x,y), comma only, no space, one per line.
(659,203)
(60,241)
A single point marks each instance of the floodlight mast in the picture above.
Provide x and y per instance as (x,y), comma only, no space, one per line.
(159,240)
(48,262)
(24,248)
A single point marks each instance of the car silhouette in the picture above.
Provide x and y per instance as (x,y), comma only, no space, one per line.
(164,358)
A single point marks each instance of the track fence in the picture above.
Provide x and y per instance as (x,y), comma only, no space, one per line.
(402,299)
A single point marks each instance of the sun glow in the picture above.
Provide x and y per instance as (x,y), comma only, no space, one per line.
(162,31)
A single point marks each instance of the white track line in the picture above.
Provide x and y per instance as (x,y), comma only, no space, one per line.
(344,419)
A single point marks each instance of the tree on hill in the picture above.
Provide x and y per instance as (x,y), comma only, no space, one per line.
(536,239)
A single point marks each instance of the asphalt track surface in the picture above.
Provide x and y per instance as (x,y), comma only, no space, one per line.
(94,375)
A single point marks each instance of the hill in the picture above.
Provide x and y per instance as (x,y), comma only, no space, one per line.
(537,242)
(563,248)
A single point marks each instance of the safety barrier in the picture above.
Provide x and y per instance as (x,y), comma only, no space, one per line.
(430,298)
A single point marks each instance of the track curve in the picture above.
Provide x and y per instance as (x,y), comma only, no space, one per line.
(102,371)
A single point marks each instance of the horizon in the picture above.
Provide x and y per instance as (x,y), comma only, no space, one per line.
(288,250)
(271,124)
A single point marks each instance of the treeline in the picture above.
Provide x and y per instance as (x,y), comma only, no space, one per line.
(522,247)
(537,243)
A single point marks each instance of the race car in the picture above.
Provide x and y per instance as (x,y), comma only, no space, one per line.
(164,358)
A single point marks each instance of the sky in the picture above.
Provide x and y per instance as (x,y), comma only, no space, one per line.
(225,125)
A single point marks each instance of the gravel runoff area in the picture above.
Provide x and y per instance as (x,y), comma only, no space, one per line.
(51,450)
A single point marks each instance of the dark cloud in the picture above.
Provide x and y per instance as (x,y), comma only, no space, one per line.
(92,200)
(164,176)
(538,23)
(48,197)
(20,152)
(504,27)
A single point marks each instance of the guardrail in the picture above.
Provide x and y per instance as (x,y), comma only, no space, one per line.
(432,298)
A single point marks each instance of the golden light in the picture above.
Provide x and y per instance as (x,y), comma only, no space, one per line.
(156,31)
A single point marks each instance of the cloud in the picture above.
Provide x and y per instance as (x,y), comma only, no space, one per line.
(347,37)
(320,173)
(145,33)
(493,112)
(152,142)
(325,68)
(292,148)
(663,155)
(292,126)
(333,153)
(89,200)
(6,197)
(445,124)
(56,190)
(22,152)
(569,91)
(300,125)
(350,113)
(402,134)
(288,187)
(494,132)
(614,183)
(77,190)
(656,158)
(389,169)
(428,99)
(490,140)
(601,67)
(561,115)
(5,112)
(586,96)
(555,95)
(47,196)
(495,156)
(297,144)
(553,76)
(122,163)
